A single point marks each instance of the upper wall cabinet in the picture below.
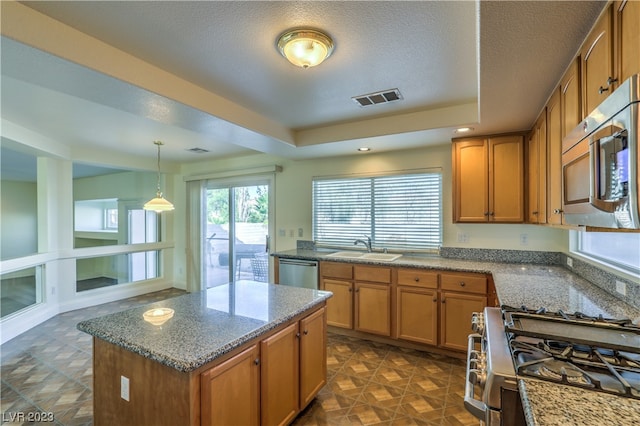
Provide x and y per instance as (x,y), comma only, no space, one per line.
(571,98)
(488,179)
(554,158)
(627,41)
(597,63)
(537,171)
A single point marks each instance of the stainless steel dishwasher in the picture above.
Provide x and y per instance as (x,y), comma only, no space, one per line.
(299,273)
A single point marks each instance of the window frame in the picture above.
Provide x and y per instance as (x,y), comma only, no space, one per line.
(433,192)
(577,248)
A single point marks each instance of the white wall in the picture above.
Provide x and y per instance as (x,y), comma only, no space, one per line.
(19,219)
(293,198)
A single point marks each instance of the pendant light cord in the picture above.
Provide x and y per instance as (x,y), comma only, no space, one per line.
(158,143)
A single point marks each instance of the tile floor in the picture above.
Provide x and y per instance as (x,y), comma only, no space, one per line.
(48,369)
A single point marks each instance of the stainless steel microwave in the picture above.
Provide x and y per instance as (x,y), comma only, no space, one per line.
(600,163)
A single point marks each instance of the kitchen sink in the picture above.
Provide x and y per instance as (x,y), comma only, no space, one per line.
(346,254)
(381,257)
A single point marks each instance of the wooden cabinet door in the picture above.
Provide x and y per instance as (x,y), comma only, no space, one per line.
(279,377)
(571,98)
(597,63)
(230,392)
(455,318)
(313,356)
(470,181)
(373,308)
(340,306)
(417,314)
(627,22)
(506,179)
(554,159)
(537,171)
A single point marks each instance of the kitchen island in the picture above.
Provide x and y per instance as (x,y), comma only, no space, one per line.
(241,353)
(538,284)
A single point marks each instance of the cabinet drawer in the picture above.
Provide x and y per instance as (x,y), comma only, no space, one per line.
(468,283)
(336,270)
(417,278)
(374,274)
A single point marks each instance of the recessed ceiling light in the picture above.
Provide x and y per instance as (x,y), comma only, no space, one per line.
(364,149)
(464,129)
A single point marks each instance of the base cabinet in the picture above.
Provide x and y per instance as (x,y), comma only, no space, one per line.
(417,314)
(455,318)
(415,305)
(239,403)
(279,376)
(270,382)
(340,306)
(313,356)
(373,308)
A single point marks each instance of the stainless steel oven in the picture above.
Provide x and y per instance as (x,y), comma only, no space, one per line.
(491,388)
(591,352)
(600,163)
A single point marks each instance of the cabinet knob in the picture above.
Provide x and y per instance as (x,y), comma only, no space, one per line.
(601,90)
(256,361)
(611,80)
(557,211)
(297,335)
(462,284)
(350,289)
(416,279)
(306,332)
(435,299)
(534,212)
(491,213)
(486,213)
(443,300)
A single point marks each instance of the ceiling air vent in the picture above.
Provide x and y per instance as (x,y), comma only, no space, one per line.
(198,150)
(383,97)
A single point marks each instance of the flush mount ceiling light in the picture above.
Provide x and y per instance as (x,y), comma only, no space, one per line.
(464,129)
(305,47)
(159,204)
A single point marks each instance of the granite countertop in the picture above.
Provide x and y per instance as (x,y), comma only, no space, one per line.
(533,285)
(548,403)
(539,285)
(206,324)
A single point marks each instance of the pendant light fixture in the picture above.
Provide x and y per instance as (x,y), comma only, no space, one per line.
(159,204)
(305,47)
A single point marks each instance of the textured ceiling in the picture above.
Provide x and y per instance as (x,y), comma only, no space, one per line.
(490,64)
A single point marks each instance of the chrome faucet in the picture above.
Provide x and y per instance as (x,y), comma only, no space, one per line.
(367,243)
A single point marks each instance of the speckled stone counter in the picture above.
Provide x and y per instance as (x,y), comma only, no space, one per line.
(552,287)
(517,284)
(552,404)
(206,324)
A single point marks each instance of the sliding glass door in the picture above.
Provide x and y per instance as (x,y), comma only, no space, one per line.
(236,232)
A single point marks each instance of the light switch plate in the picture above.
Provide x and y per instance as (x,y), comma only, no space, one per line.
(621,287)
(124,388)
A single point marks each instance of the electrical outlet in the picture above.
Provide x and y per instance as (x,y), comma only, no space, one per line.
(300,232)
(524,239)
(291,233)
(282,233)
(621,287)
(124,388)
(463,237)
(569,262)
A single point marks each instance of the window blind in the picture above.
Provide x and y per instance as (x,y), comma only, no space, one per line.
(402,212)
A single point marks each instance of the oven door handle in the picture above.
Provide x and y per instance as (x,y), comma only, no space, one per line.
(474,406)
